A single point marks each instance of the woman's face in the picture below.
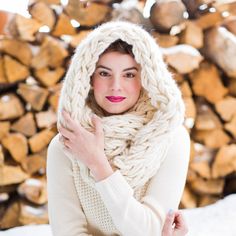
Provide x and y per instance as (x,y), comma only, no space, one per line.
(116,82)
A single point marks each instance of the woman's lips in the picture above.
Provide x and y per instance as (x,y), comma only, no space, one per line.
(115,98)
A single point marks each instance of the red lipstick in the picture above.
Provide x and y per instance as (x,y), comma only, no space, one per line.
(115,98)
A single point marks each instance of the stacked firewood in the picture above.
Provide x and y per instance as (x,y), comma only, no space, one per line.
(201,52)
(197,39)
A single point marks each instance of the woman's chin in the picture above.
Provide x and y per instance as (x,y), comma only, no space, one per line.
(114,111)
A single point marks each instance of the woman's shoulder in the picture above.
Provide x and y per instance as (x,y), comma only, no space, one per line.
(181,142)
(55,143)
(181,135)
(55,151)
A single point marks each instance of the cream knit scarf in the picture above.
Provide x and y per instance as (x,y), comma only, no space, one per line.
(137,141)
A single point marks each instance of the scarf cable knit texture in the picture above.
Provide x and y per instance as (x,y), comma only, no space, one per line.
(137,141)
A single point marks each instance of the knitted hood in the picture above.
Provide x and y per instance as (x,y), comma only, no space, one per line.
(151,135)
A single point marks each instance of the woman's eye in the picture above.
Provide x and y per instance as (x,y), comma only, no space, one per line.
(103,73)
(130,75)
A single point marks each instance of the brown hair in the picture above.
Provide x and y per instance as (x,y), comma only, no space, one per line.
(120,46)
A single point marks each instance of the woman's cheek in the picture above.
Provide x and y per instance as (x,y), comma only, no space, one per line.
(135,88)
(98,88)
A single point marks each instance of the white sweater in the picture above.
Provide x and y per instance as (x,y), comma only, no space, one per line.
(73,209)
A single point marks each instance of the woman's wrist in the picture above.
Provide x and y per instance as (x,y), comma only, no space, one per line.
(101,171)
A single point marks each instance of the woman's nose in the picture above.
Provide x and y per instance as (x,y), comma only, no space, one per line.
(116,83)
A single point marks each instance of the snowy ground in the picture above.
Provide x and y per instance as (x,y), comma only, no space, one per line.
(218,219)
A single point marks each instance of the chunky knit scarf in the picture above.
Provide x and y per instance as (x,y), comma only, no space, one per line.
(137,141)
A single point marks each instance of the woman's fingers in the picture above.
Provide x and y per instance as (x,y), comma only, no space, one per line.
(98,126)
(167,228)
(71,124)
(66,142)
(61,138)
(174,224)
(65,132)
(178,219)
(180,222)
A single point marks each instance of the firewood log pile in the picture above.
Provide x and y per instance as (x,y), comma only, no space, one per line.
(198,41)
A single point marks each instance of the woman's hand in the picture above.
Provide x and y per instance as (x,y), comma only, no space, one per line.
(174,225)
(88,147)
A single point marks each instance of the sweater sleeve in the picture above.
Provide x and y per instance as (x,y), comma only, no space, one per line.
(164,192)
(65,213)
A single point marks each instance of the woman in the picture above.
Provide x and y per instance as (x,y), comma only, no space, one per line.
(120,161)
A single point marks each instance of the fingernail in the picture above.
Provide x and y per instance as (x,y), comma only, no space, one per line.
(170,212)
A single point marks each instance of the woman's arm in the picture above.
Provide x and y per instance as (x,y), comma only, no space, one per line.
(65,214)
(147,217)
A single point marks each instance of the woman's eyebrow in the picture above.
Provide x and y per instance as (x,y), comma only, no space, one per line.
(104,67)
(130,68)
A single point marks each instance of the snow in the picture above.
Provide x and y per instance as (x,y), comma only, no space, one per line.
(218,219)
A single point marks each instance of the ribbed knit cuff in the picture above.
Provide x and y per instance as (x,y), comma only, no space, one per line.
(114,187)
